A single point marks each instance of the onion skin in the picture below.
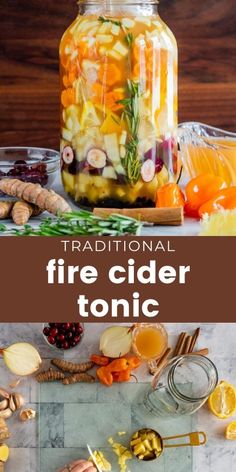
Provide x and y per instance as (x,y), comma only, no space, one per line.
(116,341)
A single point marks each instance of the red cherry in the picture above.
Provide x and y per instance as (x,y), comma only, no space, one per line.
(46,331)
(51,340)
(53,332)
(77,339)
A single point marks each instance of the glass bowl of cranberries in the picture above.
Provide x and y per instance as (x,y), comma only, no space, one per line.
(29,164)
(63,336)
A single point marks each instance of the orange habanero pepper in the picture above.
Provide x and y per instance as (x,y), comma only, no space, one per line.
(104,376)
(123,376)
(201,189)
(100,360)
(224,199)
(118,365)
(170,195)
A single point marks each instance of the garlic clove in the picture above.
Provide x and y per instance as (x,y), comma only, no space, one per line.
(12,405)
(4,404)
(18,400)
(5,413)
(4,393)
(27,414)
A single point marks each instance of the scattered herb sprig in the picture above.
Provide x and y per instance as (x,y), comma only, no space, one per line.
(79,223)
(128,36)
(132,162)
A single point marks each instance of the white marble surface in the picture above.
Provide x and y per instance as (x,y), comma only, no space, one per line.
(190,227)
(219,454)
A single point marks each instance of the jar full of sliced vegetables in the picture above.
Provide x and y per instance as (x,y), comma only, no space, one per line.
(118,63)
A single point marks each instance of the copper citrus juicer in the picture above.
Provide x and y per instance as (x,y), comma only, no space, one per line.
(197,438)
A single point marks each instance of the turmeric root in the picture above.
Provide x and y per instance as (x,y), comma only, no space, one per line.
(5,209)
(4,431)
(49,375)
(70,367)
(34,193)
(78,378)
(22,211)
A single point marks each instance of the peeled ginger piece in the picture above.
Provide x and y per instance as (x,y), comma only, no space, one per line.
(220,223)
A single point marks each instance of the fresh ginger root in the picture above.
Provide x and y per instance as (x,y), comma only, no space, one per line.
(22,211)
(76,378)
(4,432)
(5,209)
(70,367)
(49,375)
(34,193)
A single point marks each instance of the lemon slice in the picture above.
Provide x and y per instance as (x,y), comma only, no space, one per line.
(222,402)
(230,432)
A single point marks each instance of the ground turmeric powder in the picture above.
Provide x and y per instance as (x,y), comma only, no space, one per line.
(5,209)
(82,377)
(34,193)
(49,375)
(70,367)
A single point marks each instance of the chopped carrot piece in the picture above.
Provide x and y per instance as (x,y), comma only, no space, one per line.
(109,74)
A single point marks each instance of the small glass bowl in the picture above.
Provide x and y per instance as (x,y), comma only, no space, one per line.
(62,349)
(205,149)
(145,334)
(29,164)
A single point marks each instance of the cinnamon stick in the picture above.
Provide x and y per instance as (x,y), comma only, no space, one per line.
(180,344)
(157,216)
(201,352)
(187,344)
(194,340)
(163,361)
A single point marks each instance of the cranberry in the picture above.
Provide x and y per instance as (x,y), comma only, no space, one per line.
(13,172)
(2,174)
(77,339)
(53,332)
(66,326)
(72,343)
(46,331)
(58,325)
(65,345)
(73,329)
(40,167)
(20,166)
(159,165)
(51,325)
(51,340)
(69,336)
(59,345)
(61,337)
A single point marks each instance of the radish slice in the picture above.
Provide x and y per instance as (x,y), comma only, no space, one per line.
(67,155)
(116,341)
(21,358)
(97,158)
(148,170)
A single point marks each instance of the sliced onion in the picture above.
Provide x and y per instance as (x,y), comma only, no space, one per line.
(21,358)
(116,341)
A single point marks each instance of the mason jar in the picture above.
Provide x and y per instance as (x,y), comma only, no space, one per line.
(183,386)
(118,63)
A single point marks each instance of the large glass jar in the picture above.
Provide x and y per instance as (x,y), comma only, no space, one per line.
(118,104)
(183,386)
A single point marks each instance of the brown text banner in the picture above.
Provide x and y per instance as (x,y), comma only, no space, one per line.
(182,279)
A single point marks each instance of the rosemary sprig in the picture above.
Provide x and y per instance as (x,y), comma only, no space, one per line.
(128,36)
(80,223)
(132,162)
